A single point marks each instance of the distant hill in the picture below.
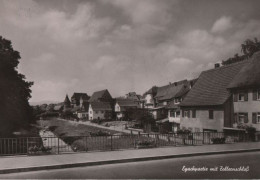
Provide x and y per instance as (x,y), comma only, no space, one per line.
(43,102)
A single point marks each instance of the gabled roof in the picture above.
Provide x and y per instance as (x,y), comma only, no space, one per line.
(67,100)
(101,106)
(170,91)
(249,75)
(211,86)
(99,95)
(77,96)
(152,91)
(133,95)
(126,103)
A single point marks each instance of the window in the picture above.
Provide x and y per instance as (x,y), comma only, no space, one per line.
(172,114)
(177,101)
(186,114)
(90,112)
(241,97)
(241,118)
(258,118)
(96,112)
(211,114)
(102,112)
(178,113)
(258,94)
(164,103)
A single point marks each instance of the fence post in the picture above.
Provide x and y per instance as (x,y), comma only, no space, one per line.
(192,138)
(111,142)
(27,145)
(202,137)
(86,143)
(58,145)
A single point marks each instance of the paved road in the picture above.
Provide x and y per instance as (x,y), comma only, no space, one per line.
(170,168)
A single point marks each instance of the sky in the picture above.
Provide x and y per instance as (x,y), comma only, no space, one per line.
(122,45)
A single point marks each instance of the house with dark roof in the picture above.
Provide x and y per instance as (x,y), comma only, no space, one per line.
(101,96)
(123,106)
(208,105)
(165,103)
(148,96)
(100,110)
(135,97)
(82,112)
(75,99)
(100,105)
(67,103)
(245,89)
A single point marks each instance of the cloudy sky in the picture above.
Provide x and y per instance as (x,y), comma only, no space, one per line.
(122,45)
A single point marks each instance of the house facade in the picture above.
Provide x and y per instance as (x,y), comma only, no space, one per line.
(124,107)
(208,106)
(245,89)
(165,107)
(76,97)
(100,111)
(100,105)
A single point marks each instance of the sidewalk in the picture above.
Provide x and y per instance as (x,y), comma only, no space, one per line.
(32,163)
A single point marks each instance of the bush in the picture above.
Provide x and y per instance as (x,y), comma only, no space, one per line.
(70,139)
(183,131)
(218,140)
(99,133)
(52,128)
(145,143)
(47,115)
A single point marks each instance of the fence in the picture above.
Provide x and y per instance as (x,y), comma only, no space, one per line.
(68,144)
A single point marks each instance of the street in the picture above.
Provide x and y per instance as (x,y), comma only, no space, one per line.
(169,168)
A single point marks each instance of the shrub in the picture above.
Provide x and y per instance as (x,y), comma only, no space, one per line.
(145,143)
(183,131)
(99,133)
(218,140)
(70,139)
(52,128)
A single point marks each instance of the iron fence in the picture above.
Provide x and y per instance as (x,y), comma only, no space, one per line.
(69,144)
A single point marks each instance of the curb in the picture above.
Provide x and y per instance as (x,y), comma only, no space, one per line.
(73,165)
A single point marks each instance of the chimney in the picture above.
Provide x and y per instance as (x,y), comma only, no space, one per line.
(217,65)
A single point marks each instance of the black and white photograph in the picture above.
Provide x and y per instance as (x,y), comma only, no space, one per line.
(129,89)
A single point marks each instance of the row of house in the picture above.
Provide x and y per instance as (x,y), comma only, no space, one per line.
(101,105)
(220,99)
(224,98)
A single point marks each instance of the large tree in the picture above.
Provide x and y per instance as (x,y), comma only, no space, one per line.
(248,48)
(15,111)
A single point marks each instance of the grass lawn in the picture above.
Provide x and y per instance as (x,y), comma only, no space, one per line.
(70,128)
(79,137)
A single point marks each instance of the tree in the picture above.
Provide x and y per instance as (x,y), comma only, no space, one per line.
(248,48)
(15,111)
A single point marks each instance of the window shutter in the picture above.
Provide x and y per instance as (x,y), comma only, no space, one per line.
(246,117)
(254,118)
(254,95)
(193,113)
(182,113)
(246,96)
(235,97)
(235,117)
